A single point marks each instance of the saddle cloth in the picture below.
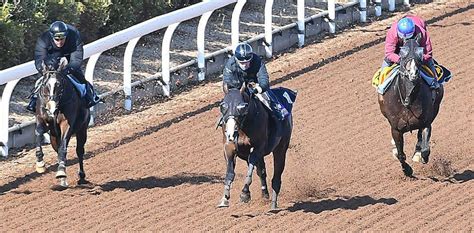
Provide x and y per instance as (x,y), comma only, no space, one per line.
(81,88)
(383,78)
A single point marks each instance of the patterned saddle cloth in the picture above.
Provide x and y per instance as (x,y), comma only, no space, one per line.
(384,77)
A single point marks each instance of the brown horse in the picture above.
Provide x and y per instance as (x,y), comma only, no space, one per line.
(250,132)
(411,104)
(61,112)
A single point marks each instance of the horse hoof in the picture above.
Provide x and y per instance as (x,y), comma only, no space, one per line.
(63,182)
(417,157)
(274,206)
(61,174)
(224,203)
(425,157)
(265,194)
(245,197)
(407,170)
(40,167)
(82,181)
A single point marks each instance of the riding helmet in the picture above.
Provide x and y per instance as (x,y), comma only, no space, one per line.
(58,30)
(243,52)
(405,28)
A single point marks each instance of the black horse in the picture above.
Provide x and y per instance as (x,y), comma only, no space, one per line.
(411,104)
(250,132)
(62,112)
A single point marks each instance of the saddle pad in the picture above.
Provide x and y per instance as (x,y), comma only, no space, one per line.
(381,75)
(442,74)
(81,88)
(286,97)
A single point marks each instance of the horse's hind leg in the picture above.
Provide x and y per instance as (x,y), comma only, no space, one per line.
(252,162)
(262,173)
(398,138)
(279,157)
(425,144)
(417,155)
(81,138)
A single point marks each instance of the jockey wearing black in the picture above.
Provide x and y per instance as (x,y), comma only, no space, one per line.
(247,67)
(62,40)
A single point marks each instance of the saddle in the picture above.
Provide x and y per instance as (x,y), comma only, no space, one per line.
(384,77)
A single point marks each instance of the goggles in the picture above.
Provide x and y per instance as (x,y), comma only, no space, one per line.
(59,36)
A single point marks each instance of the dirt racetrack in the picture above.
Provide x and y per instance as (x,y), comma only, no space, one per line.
(161,168)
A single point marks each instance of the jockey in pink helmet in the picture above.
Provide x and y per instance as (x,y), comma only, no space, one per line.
(406,28)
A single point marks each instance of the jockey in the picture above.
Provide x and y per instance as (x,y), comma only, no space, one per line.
(62,40)
(406,28)
(247,67)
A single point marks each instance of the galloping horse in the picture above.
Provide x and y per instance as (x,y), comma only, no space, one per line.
(250,133)
(411,104)
(61,112)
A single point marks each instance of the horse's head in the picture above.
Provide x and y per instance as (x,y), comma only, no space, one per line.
(411,55)
(51,85)
(234,109)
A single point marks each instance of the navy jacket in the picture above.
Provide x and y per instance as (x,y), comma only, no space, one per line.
(46,49)
(234,76)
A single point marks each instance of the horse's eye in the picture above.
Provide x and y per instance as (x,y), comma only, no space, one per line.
(224,107)
(242,108)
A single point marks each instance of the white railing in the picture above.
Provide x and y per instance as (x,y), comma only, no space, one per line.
(93,50)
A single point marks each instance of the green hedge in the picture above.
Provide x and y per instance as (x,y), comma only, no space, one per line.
(21,22)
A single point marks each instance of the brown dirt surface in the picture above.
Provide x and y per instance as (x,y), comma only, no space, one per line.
(162,168)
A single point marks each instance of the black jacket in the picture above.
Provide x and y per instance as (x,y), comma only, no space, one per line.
(234,76)
(46,49)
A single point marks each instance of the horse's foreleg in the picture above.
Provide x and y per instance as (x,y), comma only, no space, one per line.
(425,144)
(262,173)
(252,161)
(62,152)
(398,139)
(40,164)
(81,138)
(229,155)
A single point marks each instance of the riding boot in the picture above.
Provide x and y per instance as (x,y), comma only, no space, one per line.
(32,105)
(91,96)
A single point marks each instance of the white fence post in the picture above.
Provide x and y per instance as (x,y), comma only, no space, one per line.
(332,16)
(268,28)
(127,72)
(391,5)
(363,10)
(165,57)
(301,24)
(201,31)
(235,22)
(5,107)
(378,7)
(90,77)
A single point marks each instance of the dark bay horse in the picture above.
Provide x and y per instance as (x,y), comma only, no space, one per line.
(411,104)
(251,133)
(61,112)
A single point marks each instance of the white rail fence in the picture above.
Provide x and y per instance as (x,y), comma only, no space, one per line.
(13,75)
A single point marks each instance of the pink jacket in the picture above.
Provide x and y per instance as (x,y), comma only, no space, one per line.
(393,43)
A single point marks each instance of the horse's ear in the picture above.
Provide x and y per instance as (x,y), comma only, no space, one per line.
(242,88)
(62,63)
(418,38)
(44,68)
(225,88)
